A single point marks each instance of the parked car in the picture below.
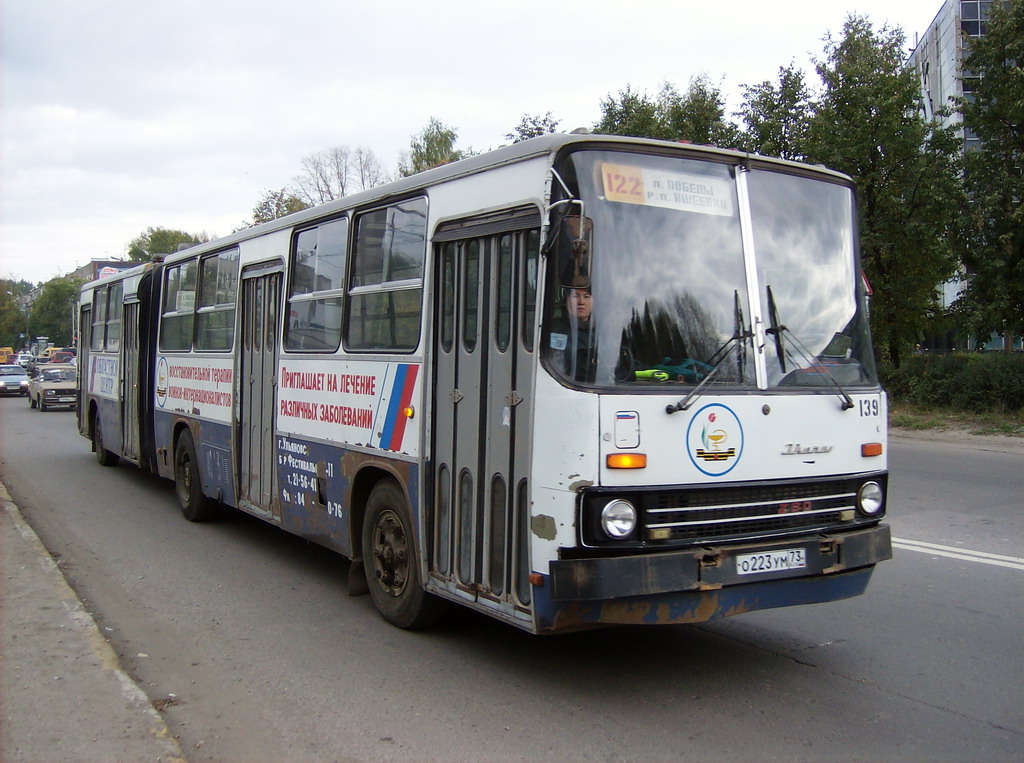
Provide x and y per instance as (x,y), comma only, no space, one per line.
(13,380)
(54,386)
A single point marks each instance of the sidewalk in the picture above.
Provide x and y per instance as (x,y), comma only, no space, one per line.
(63,694)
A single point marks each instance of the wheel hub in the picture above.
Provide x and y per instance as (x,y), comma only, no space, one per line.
(390,553)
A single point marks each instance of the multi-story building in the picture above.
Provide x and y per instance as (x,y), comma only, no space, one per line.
(937,59)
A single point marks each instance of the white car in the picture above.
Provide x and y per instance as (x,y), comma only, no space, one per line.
(13,380)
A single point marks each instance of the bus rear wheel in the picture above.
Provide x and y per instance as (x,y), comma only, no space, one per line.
(391,563)
(103,456)
(187,483)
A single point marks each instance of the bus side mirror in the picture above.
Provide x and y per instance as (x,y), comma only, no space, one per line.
(575,245)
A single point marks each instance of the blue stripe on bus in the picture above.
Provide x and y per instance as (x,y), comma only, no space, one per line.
(393,405)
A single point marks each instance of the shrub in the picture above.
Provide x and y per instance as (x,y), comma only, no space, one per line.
(984,381)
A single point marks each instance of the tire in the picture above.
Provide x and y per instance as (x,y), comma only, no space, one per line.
(188,484)
(103,456)
(392,564)
(42,405)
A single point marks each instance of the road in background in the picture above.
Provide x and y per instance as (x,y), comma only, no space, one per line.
(247,640)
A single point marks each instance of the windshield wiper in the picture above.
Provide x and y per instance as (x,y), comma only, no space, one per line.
(717,361)
(777,329)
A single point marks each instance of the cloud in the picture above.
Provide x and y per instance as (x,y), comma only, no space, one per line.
(118,114)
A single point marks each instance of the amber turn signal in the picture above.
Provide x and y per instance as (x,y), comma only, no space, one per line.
(626,461)
(871,449)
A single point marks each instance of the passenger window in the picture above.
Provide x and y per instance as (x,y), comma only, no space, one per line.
(385,295)
(317,288)
(218,286)
(179,307)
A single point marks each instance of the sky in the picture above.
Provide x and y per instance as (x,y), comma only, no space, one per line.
(120,115)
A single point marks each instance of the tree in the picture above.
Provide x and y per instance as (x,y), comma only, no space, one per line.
(696,117)
(275,204)
(631,113)
(161,241)
(335,172)
(776,118)
(699,115)
(532,127)
(52,314)
(13,326)
(432,147)
(994,176)
(868,125)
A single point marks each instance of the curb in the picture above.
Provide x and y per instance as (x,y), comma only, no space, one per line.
(84,654)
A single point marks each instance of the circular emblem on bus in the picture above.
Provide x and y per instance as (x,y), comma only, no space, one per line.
(161,382)
(714,439)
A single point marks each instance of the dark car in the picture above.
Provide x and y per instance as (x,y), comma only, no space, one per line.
(13,380)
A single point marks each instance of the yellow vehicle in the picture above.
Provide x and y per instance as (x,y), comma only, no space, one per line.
(6,355)
(48,355)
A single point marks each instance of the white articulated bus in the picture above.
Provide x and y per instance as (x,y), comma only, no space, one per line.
(575,381)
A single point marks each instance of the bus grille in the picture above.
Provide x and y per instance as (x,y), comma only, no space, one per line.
(717,513)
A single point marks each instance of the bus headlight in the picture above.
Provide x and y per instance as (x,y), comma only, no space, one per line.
(618,518)
(870,498)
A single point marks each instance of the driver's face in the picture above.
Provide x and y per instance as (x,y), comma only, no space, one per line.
(580,303)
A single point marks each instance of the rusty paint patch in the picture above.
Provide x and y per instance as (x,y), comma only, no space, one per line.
(543,526)
(580,484)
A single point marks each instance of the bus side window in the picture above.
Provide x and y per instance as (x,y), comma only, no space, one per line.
(317,288)
(114,310)
(385,295)
(179,307)
(215,317)
(99,318)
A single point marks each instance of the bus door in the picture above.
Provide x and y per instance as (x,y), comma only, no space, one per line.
(84,368)
(130,382)
(257,392)
(483,395)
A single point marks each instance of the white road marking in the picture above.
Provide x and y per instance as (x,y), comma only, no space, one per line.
(998,560)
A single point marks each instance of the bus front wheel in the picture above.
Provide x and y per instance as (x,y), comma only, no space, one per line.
(187,483)
(391,563)
(103,456)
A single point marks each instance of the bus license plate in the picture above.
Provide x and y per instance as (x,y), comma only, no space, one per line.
(771,561)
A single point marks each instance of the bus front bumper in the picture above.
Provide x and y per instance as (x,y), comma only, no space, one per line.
(712,568)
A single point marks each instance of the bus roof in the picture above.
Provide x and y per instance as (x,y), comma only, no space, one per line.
(511,154)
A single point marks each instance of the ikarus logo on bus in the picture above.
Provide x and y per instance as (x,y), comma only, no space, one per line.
(714,439)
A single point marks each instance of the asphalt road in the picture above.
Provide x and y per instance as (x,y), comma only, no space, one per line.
(247,640)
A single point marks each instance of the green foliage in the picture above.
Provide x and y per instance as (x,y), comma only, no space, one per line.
(994,297)
(12,320)
(52,314)
(867,125)
(432,147)
(976,382)
(532,127)
(160,241)
(634,114)
(696,117)
(275,204)
(776,118)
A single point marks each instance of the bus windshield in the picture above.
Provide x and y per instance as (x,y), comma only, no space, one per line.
(664,293)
